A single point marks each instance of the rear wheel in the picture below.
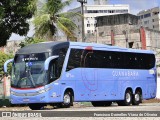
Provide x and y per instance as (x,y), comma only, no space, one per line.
(127,99)
(137,98)
(67,100)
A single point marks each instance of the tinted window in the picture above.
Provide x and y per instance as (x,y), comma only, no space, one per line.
(74,59)
(109,59)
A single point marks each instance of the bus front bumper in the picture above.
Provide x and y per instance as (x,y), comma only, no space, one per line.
(26,97)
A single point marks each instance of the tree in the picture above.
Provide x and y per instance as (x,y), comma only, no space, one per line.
(13,17)
(30,40)
(4,57)
(48,19)
(158,65)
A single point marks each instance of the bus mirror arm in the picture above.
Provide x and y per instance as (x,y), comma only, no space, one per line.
(5,66)
(48,60)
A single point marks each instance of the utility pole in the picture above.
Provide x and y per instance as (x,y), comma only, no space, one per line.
(82,9)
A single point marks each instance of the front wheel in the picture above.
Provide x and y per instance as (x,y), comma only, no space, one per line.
(67,100)
(127,99)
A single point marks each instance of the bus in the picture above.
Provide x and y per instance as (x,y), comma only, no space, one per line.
(60,73)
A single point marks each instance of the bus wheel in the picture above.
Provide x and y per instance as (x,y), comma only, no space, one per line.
(36,106)
(127,99)
(67,100)
(137,98)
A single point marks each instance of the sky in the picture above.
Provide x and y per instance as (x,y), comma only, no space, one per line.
(135,7)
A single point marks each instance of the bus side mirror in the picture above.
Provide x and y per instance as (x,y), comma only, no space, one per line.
(5,66)
(48,60)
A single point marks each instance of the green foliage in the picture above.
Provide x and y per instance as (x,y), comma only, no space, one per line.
(3,58)
(13,17)
(158,65)
(48,19)
(30,40)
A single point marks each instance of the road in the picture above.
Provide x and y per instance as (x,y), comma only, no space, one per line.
(115,107)
(81,112)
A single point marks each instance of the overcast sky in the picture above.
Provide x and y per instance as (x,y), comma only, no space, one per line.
(135,7)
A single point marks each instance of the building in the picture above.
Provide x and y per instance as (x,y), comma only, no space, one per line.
(122,30)
(100,2)
(119,24)
(11,47)
(91,12)
(149,18)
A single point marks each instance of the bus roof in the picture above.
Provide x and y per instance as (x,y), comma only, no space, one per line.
(108,47)
(50,46)
(42,47)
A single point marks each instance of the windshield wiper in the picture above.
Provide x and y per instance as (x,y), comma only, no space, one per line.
(31,78)
(29,73)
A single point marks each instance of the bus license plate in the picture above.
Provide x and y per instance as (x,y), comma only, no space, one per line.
(25,100)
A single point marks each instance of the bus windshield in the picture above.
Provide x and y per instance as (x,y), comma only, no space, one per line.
(28,70)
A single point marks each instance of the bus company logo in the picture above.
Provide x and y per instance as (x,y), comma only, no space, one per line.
(21,114)
(125,74)
(6,114)
(69,75)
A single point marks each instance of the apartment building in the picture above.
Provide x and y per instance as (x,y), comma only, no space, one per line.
(149,18)
(91,12)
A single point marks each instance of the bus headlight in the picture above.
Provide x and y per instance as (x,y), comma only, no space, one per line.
(12,93)
(44,90)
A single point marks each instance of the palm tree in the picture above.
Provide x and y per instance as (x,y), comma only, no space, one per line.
(48,20)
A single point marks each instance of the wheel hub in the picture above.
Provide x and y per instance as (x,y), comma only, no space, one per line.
(128,97)
(67,99)
(137,97)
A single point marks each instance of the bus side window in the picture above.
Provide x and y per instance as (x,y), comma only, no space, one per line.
(62,54)
(53,70)
(75,59)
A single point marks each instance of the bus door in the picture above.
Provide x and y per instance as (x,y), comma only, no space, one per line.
(54,74)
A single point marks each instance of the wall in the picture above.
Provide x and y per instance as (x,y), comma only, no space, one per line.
(158,88)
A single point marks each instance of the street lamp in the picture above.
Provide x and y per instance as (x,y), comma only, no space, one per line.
(82,2)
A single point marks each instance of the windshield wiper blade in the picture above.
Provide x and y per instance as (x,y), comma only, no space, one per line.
(29,72)
(31,78)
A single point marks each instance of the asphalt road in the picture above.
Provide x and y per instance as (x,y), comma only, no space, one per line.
(114,107)
(80,112)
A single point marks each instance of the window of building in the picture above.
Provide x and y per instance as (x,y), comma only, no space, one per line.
(141,16)
(88,31)
(100,11)
(109,11)
(146,22)
(147,15)
(155,13)
(88,25)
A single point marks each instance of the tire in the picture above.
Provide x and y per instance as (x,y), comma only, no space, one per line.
(67,100)
(36,106)
(137,98)
(127,99)
(101,103)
